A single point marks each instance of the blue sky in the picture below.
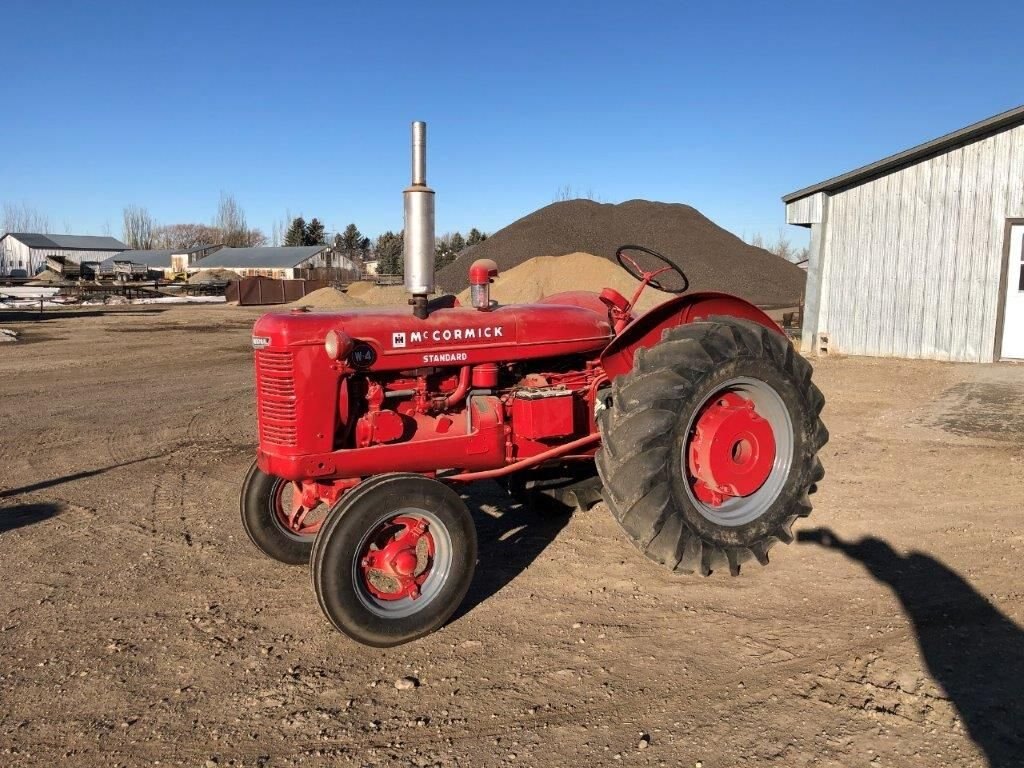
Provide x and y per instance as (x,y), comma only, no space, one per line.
(305,108)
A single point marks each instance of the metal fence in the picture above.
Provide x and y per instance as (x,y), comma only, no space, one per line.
(252,291)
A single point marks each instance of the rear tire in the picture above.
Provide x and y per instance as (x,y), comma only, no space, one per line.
(649,430)
(376,585)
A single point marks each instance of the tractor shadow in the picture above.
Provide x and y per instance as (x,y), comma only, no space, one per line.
(26,514)
(973,651)
(509,542)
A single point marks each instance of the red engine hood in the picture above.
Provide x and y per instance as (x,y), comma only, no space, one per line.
(392,338)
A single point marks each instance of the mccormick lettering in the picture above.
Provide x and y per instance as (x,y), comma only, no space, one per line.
(456,334)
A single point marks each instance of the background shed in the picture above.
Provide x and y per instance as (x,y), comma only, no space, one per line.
(911,256)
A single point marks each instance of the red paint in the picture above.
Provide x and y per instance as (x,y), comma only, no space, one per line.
(410,406)
(555,453)
(482,271)
(646,330)
(544,417)
(732,449)
(391,551)
(485,376)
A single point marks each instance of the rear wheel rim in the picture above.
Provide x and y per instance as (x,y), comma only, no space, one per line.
(294,519)
(738,451)
(402,562)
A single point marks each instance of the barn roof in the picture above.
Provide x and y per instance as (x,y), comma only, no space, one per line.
(151,258)
(69,242)
(260,258)
(968,135)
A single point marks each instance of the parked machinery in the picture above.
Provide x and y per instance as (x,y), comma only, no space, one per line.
(700,418)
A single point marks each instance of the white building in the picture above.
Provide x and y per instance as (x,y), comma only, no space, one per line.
(920,255)
(28,251)
(274,262)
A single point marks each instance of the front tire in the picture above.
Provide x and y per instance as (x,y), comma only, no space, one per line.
(710,445)
(264,506)
(394,561)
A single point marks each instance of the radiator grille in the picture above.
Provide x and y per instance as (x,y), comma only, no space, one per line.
(275,378)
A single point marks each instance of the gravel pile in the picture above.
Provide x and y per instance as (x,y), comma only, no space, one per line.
(328,298)
(713,259)
(46,277)
(213,276)
(378,295)
(540,277)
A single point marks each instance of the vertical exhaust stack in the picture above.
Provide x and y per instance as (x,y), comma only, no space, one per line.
(419,226)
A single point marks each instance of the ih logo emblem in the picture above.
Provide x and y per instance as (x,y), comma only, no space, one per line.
(398,339)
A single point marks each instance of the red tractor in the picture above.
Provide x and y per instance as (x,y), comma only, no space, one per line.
(699,416)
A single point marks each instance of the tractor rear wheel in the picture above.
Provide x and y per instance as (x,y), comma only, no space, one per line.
(394,560)
(275,520)
(709,445)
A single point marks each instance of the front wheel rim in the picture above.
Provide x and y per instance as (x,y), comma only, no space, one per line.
(402,562)
(293,517)
(738,451)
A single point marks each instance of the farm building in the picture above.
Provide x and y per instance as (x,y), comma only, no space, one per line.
(29,251)
(169,261)
(919,255)
(281,263)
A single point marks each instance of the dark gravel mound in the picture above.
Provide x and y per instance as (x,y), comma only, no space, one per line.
(714,259)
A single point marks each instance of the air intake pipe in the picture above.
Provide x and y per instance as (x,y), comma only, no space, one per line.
(419,226)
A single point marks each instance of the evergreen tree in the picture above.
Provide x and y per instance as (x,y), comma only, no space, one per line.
(388,251)
(351,239)
(296,234)
(447,248)
(475,237)
(315,234)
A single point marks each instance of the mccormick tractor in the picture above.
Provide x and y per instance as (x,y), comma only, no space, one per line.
(698,419)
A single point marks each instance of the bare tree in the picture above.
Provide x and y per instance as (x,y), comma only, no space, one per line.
(137,227)
(231,222)
(783,247)
(566,192)
(22,217)
(185,236)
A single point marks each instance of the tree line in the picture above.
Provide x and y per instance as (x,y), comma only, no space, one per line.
(140,231)
(387,249)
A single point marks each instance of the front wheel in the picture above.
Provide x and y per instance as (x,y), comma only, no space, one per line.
(276,519)
(393,561)
(710,445)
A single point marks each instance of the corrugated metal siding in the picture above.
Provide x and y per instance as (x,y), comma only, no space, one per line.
(911,260)
(16,255)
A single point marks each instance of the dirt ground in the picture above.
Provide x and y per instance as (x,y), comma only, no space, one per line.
(138,625)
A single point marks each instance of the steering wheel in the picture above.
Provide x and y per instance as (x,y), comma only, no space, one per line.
(636,271)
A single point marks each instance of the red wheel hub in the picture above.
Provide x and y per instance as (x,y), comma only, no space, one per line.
(398,558)
(292,512)
(731,451)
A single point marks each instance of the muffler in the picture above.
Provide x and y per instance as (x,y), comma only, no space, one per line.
(419,226)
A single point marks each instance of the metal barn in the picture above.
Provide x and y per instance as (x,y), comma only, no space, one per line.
(277,262)
(29,251)
(920,255)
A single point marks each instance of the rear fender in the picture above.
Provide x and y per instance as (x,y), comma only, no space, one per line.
(646,330)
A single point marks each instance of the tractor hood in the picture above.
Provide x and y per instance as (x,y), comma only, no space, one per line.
(392,338)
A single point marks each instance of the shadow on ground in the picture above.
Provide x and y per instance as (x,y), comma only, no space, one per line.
(26,514)
(973,651)
(509,542)
(44,484)
(10,315)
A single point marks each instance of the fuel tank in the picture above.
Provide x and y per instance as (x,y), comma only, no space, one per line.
(392,338)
